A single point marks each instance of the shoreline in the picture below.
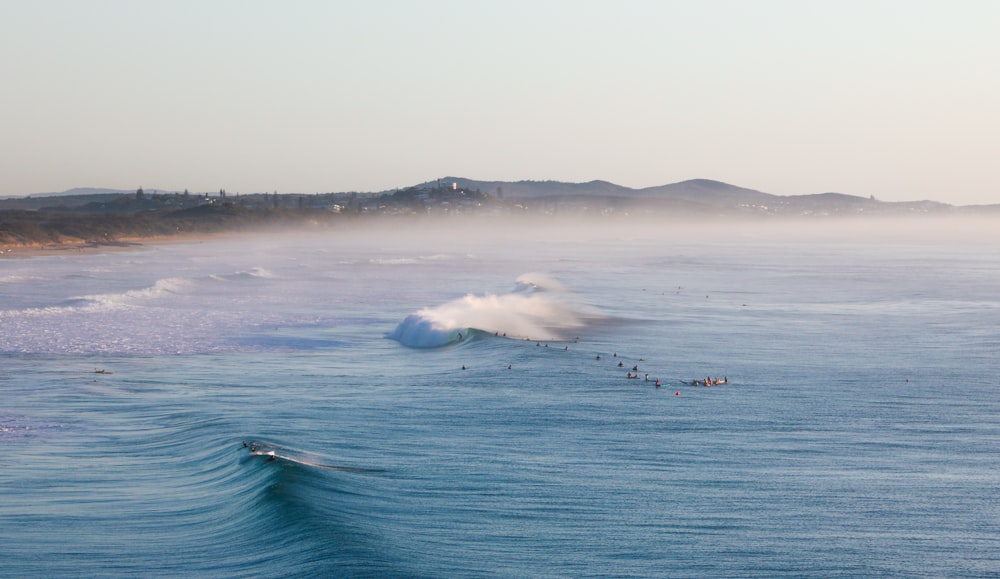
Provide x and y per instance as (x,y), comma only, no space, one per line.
(81,247)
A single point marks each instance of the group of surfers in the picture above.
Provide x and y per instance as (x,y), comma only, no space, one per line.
(633,374)
(711,381)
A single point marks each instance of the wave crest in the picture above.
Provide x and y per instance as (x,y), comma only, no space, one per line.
(249,274)
(538,308)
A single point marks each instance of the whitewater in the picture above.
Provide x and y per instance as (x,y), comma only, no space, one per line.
(480,401)
(527,312)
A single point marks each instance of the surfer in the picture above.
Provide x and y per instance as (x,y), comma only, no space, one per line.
(621,365)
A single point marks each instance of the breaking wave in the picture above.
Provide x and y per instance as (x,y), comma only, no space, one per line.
(250,274)
(538,308)
(170,285)
(171,314)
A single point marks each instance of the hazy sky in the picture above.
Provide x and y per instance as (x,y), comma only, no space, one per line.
(897,99)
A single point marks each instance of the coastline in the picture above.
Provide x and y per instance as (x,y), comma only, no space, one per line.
(79,247)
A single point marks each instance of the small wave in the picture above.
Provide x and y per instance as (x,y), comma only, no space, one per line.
(535,282)
(317,515)
(165,286)
(393,261)
(410,260)
(16,278)
(252,273)
(161,288)
(20,428)
(538,308)
(104,302)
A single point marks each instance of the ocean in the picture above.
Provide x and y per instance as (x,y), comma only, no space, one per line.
(446,399)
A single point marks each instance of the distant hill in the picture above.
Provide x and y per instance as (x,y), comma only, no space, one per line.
(78,191)
(697,196)
(70,198)
(533,189)
(102,216)
(708,191)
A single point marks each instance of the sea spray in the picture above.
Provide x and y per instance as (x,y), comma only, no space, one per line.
(538,308)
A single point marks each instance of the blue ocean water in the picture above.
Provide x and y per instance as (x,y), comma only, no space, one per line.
(443,402)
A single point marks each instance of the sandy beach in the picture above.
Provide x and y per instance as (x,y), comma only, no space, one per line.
(15,251)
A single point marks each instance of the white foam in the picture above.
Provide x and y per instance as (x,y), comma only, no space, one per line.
(170,285)
(538,308)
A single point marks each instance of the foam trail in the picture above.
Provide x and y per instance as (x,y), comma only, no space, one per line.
(270,453)
(538,308)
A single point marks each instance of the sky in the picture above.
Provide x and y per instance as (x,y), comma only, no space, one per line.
(894,99)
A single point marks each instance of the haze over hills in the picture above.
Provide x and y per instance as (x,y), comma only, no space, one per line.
(84,191)
(704,196)
(697,196)
(102,216)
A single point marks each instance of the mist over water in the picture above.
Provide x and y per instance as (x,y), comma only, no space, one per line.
(302,404)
